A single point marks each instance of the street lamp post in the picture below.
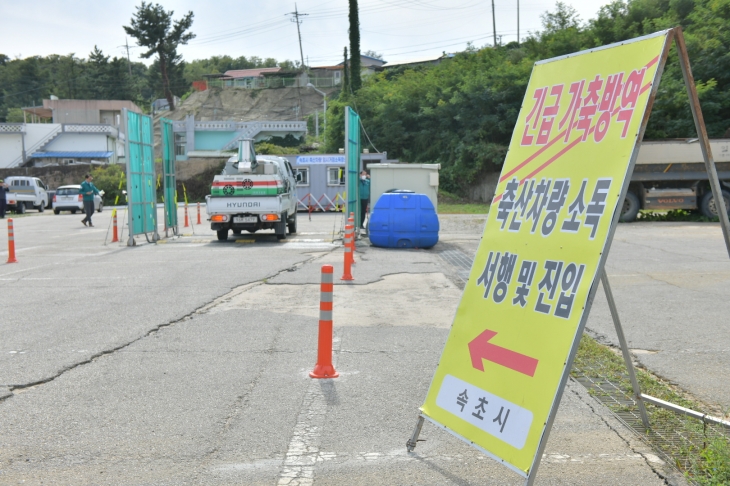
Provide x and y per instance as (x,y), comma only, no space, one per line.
(310,85)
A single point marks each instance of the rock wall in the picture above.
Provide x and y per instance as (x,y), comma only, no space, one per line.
(51,176)
(484,191)
(61,175)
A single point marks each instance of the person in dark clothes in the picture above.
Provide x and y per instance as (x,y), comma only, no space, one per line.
(88,190)
(364,194)
(3,198)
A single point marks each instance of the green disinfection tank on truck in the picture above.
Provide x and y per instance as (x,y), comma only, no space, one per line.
(252,193)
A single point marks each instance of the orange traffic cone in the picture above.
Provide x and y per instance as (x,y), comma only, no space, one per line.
(347,275)
(115,234)
(11,242)
(324,367)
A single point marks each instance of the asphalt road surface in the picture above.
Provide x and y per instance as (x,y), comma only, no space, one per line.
(186,362)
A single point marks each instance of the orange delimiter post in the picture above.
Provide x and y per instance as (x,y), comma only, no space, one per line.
(324,367)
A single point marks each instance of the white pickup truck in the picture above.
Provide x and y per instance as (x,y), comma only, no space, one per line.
(253,193)
(26,193)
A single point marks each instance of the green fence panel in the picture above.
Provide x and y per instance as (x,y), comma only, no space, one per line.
(169,180)
(141,183)
(352,155)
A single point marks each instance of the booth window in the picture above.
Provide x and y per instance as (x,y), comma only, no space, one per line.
(304,171)
(181,143)
(336,176)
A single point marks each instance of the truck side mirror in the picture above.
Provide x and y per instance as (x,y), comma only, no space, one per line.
(299,177)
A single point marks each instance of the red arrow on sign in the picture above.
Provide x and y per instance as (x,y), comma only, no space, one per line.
(480,348)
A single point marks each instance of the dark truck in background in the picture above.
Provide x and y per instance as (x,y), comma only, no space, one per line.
(670,174)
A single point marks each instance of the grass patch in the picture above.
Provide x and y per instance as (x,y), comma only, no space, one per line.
(674,215)
(465,208)
(452,204)
(701,451)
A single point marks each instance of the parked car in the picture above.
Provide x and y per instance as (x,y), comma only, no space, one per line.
(69,198)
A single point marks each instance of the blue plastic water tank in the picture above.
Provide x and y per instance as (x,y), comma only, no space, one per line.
(403,220)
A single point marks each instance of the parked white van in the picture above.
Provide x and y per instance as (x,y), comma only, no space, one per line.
(26,193)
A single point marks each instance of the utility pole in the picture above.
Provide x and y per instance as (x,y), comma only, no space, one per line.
(129,62)
(494,25)
(518,21)
(296,15)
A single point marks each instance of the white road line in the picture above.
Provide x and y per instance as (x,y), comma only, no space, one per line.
(301,456)
(303,451)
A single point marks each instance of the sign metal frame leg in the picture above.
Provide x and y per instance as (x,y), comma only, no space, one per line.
(694,104)
(413,441)
(624,349)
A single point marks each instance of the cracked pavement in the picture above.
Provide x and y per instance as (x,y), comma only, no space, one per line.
(187,363)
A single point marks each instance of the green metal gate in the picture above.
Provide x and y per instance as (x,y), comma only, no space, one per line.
(141,183)
(352,156)
(169,180)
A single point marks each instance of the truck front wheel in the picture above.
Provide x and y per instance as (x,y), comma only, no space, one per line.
(631,207)
(222,234)
(709,207)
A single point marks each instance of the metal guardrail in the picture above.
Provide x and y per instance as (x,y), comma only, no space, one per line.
(90,128)
(233,126)
(251,129)
(12,127)
(273,83)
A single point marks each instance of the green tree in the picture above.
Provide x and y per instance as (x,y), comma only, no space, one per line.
(108,179)
(154,28)
(120,84)
(373,54)
(355,61)
(25,82)
(345,78)
(195,70)
(176,83)
(97,74)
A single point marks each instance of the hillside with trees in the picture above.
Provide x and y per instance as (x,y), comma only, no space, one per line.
(461,113)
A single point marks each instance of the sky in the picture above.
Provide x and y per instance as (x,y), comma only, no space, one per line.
(400,30)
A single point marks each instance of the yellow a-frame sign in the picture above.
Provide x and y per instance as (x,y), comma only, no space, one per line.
(511,347)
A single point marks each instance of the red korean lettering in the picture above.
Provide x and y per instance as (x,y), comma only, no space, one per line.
(549,114)
(584,120)
(590,105)
(629,97)
(534,115)
(576,90)
(606,106)
(611,92)
(594,87)
(604,121)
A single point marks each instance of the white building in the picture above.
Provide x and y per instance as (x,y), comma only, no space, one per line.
(74,131)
